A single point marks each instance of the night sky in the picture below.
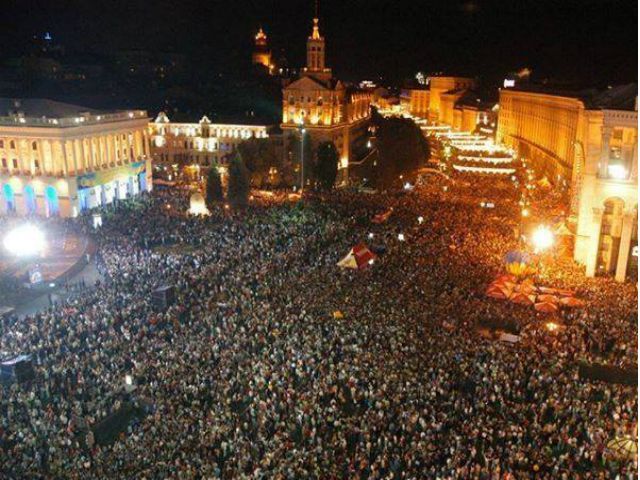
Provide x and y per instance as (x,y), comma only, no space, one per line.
(587,41)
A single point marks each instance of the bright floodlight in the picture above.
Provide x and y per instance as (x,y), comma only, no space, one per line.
(542,238)
(25,240)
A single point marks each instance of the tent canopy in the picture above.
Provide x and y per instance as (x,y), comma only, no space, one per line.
(358,258)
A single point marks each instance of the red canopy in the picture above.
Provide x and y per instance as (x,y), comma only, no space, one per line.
(359,257)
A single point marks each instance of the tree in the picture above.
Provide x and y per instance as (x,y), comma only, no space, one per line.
(327,165)
(259,155)
(401,147)
(214,186)
(239,185)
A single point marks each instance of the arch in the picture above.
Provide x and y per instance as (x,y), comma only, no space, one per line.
(51,201)
(30,204)
(9,197)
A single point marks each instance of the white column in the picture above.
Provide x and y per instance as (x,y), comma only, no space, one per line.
(65,165)
(625,244)
(594,243)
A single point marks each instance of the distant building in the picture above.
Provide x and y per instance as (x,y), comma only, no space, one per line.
(62,159)
(443,93)
(415,100)
(202,143)
(325,107)
(588,140)
(474,112)
(261,53)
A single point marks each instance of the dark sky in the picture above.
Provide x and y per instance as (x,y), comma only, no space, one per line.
(587,40)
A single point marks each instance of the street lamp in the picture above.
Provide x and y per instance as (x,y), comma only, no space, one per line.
(302,132)
(542,238)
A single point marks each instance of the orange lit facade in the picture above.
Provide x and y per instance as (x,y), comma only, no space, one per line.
(591,145)
(443,94)
(416,101)
(325,107)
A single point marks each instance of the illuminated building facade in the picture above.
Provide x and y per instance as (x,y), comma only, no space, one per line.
(202,143)
(59,159)
(443,93)
(328,110)
(261,52)
(590,142)
(415,100)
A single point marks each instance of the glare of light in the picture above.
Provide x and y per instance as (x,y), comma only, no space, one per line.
(542,238)
(525,212)
(420,219)
(226,206)
(25,240)
(368,143)
(407,186)
(371,261)
(617,172)
(445,188)
(552,327)
(52,285)
(128,379)
(482,204)
(370,235)
(401,237)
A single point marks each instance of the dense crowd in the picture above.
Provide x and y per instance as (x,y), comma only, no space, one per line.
(249,375)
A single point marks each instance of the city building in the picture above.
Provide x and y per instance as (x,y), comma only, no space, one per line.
(444,91)
(261,53)
(326,108)
(473,112)
(415,100)
(203,143)
(63,159)
(589,141)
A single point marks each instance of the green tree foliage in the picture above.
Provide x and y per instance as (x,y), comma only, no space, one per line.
(259,155)
(239,186)
(401,147)
(327,165)
(214,186)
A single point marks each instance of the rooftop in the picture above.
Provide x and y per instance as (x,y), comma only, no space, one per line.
(42,112)
(619,97)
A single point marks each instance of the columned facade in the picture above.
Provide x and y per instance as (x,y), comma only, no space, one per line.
(63,163)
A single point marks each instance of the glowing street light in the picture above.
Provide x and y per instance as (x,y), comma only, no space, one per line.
(25,240)
(420,219)
(370,235)
(542,238)
(401,237)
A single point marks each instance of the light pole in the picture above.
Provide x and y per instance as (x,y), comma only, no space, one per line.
(302,132)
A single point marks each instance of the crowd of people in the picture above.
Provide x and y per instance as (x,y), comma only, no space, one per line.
(249,375)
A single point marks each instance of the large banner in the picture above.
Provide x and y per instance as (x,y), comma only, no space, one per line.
(102,177)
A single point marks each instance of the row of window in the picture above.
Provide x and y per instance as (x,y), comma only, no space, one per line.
(12,145)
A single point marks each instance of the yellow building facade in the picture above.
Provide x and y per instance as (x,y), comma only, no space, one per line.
(444,91)
(416,101)
(59,159)
(203,143)
(324,107)
(592,146)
